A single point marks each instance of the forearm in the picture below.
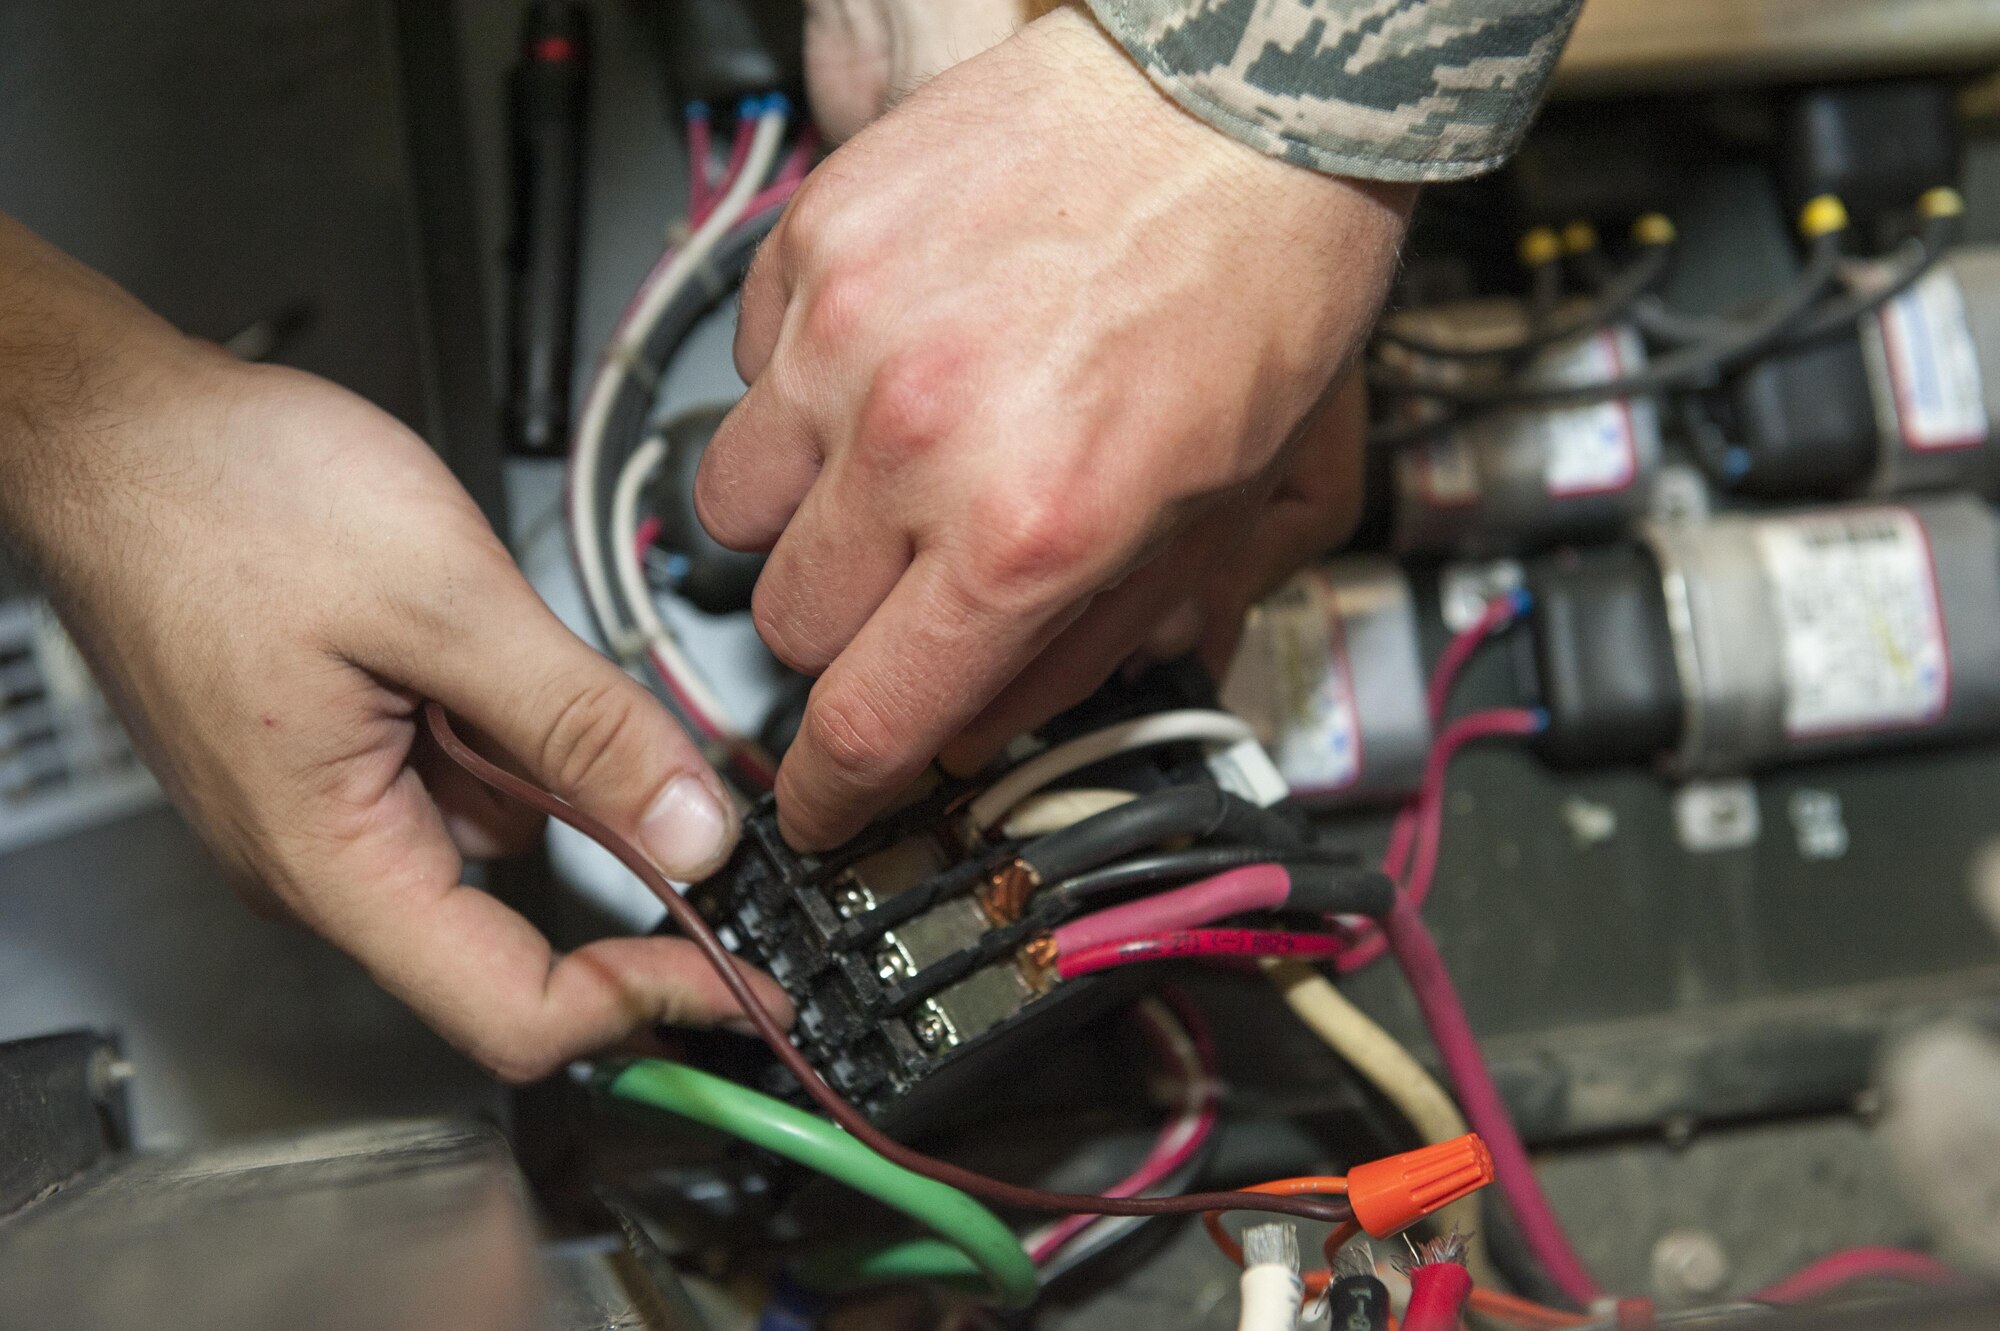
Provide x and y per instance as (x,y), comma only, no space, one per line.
(79,359)
(1417,90)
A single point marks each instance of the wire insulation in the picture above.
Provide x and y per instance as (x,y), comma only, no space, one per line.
(813,1142)
(1193,725)
(697,930)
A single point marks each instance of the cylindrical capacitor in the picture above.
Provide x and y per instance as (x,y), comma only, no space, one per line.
(549,91)
(1907,401)
(1933,358)
(1777,637)
(1329,674)
(1525,478)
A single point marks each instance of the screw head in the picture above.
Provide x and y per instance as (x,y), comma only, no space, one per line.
(889,962)
(930,1030)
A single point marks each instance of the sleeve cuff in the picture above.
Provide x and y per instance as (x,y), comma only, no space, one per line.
(1404,90)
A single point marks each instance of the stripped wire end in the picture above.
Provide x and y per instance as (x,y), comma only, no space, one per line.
(1272,1245)
(1445,1248)
(1356,1259)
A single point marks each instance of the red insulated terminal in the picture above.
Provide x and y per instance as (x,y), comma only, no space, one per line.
(1391,1194)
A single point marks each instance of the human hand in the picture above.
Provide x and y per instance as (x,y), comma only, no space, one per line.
(861,55)
(269,575)
(1025,358)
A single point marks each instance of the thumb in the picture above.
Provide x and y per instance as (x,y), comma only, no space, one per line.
(580,727)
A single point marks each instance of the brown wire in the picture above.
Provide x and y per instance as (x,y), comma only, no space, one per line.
(846,1115)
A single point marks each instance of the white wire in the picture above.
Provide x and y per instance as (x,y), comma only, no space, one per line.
(1202,726)
(1271,1295)
(627,346)
(632,478)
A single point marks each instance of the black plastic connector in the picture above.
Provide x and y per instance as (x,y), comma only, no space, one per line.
(1876,145)
(1604,658)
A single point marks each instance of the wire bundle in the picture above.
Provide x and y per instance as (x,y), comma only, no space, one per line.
(726,220)
(1699,350)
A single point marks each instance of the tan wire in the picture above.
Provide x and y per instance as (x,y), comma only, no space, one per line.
(1053,810)
(1392,1070)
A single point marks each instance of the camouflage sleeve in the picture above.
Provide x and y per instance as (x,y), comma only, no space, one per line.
(1385,89)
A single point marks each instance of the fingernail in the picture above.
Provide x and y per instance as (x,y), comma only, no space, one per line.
(686,830)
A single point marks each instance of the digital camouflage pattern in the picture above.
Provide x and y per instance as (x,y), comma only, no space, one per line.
(1386,89)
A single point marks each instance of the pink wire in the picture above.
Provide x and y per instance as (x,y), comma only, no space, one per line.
(1849,1265)
(647,532)
(739,153)
(1253,887)
(1412,856)
(1499,612)
(1182,1136)
(1197,944)
(1485,1111)
(701,164)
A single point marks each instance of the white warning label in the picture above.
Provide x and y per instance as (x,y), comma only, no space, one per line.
(1315,730)
(1933,366)
(1863,635)
(1588,449)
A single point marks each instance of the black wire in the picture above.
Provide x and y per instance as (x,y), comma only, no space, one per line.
(1198,811)
(1687,367)
(1841,312)
(1175,866)
(1617,296)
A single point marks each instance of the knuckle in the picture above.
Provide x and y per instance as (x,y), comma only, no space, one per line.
(786,633)
(594,724)
(839,306)
(856,739)
(912,404)
(1030,542)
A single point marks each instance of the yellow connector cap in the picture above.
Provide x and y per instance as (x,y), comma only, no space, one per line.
(1943,201)
(1579,238)
(1541,245)
(1822,217)
(1653,229)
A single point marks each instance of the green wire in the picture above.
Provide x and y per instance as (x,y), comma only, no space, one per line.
(978,1242)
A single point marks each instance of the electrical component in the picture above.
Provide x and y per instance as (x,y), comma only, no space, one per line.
(1794,635)
(1329,675)
(549,95)
(1270,1284)
(916,954)
(1905,401)
(1523,477)
(1440,1286)
(1874,144)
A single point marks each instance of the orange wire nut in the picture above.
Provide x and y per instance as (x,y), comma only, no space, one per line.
(1390,1195)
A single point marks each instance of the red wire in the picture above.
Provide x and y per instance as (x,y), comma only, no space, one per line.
(1197,944)
(1252,887)
(1485,1112)
(1439,1292)
(739,153)
(1412,856)
(701,166)
(1499,612)
(1842,1268)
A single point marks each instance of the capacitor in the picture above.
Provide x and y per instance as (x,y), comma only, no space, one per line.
(1522,478)
(1329,675)
(1907,401)
(1751,640)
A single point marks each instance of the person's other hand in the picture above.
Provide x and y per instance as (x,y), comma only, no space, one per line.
(268,575)
(862,55)
(1025,358)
